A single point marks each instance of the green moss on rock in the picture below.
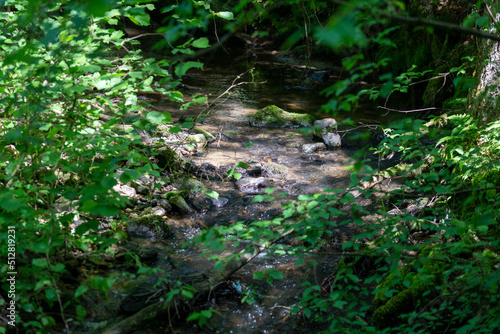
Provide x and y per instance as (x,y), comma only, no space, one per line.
(275,117)
(167,158)
(409,288)
(149,226)
(184,182)
(207,134)
(181,203)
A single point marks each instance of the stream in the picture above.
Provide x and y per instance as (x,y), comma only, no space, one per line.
(307,174)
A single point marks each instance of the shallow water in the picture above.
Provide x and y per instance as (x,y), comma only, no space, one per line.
(308,174)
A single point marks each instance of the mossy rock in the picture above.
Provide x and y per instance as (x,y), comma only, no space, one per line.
(275,170)
(177,198)
(184,182)
(198,139)
(207,134)
(182,193)
(181,203)
(274,117)
(149,226)
(167,158)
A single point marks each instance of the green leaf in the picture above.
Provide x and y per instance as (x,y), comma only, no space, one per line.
(10,204)
(156,117)
(80,313)
(269,191)
(201,43)
(81,290)
(242,165)
(105,210)
(175,129)
(200,99)
(275,274)
(387,89)
(187,294)
(85,227)
(51,294)
(212,193)
(226,15)
(98,7)
(182,68)
(353,278)
(218,265)
(42,263)
(259,199)
(259,275)
(140,20)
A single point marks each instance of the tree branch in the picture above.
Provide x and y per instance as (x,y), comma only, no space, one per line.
(450,27)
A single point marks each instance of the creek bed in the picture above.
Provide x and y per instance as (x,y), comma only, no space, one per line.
(307,174)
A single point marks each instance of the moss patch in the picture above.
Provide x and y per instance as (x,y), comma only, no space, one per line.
(402,292)
(183,182)
(167,158)
(274,117)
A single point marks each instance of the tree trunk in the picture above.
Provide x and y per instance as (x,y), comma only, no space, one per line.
(484,100)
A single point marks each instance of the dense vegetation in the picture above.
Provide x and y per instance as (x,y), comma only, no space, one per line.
(425,257)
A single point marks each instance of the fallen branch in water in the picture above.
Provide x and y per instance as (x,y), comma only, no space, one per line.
(162,309)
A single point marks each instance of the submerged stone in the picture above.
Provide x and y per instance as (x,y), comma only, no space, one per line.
(219,202)
(314,147)
(274,117)
(271,169)
(250,184)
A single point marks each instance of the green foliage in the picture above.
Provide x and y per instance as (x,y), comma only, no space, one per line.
(68,77)
(202,316)
(424,256)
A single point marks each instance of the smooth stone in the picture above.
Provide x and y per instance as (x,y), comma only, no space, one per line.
(125,191)
(165,204)
(250,184)
(198,139)
(326,123)
(314,147)
(220,202)
(331,139)
(271,169)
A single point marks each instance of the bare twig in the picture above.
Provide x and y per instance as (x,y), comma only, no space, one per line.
(141,35)
(408,111)
(493,18)
(217,36)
